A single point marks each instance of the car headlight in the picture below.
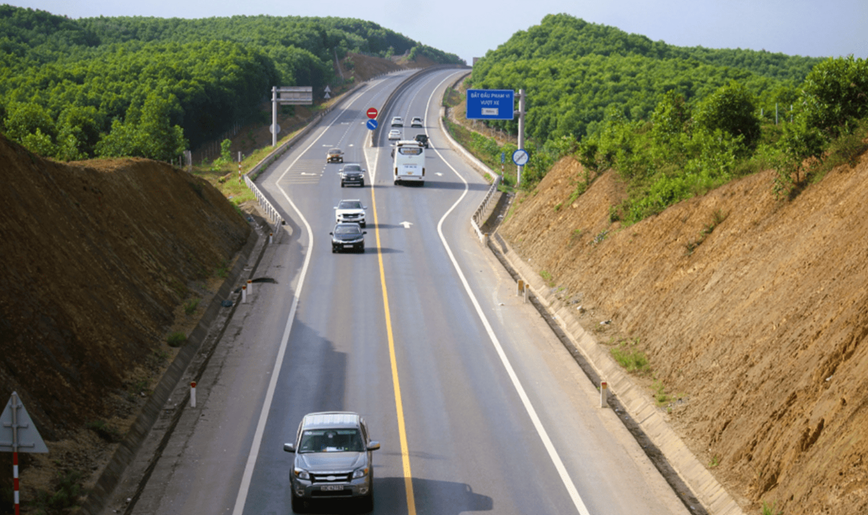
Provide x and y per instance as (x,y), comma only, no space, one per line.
(362,472)
(301,474)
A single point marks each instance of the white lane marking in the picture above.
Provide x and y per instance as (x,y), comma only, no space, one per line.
(241,499)
(406,224)
(525,400)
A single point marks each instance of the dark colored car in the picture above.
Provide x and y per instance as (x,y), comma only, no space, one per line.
(422,139)
(333,460)
(348,236)
(335,155)
(352,173)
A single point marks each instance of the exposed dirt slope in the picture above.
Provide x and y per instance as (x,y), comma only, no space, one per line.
(97,257)
(761,330)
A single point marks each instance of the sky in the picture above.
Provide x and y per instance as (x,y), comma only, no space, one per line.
(470,28)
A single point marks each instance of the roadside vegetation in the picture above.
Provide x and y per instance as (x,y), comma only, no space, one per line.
(152,87)
(673,122)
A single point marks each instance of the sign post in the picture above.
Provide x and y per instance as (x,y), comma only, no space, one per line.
(15,424)
(292,95)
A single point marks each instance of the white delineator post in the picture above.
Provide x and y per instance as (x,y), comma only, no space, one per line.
(249,287)
(193,394)
(604,392)
(270,238)
(15,480)
(244,293)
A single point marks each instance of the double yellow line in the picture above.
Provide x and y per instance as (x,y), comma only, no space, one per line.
(399,405)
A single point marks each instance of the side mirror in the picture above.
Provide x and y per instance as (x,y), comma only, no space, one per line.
(290,447)
(331,233)
(364,232)
(372,445)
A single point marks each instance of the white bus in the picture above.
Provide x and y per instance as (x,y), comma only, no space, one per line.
(409,162)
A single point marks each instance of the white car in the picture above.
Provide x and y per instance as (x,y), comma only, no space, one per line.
(394,134)
(350,211)
(397,121)
(416,122)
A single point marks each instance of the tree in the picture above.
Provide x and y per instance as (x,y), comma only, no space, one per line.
(731,109)
(835,94)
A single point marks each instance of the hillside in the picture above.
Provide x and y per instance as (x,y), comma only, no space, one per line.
(760,330)
(100,259)
(575,72)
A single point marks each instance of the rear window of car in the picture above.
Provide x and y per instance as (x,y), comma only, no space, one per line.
(348,229)
(352,168)
(410,151)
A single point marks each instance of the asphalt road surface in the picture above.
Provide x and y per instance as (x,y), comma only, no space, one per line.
(476,405)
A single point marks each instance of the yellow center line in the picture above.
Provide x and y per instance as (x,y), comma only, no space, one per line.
(399,405)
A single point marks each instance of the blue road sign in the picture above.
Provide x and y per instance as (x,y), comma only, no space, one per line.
(490,104)
(520,157)
(372,124)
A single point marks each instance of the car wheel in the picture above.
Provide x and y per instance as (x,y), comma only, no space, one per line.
(362,249)
(362,184)
(334,249)
(297,504)
(342,184)
(364,224)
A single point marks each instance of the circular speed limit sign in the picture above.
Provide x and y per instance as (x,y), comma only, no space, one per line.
(520,157)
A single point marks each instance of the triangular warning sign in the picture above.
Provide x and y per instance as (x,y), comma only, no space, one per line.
(27,437)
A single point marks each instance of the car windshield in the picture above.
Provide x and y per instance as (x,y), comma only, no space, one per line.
(352,168)
(348,229)
(335,151)
(331,440)
(350,204)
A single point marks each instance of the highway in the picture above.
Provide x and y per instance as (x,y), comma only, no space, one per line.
(476,405)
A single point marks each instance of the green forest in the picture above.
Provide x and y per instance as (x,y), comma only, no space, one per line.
(673,121)
(153,87)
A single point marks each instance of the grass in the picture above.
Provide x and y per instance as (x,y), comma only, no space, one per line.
(191,306)
(547,277)
(104,431)
(65,496)
(632,360)
(715,461)
(176,339)
(771,509)
(717,218)
(660,395)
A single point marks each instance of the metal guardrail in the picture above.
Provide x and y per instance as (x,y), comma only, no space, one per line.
(270,211)
(480,211)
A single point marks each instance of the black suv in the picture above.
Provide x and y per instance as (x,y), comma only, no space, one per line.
(333,460)
(352,173)
(348,236)
(422,139)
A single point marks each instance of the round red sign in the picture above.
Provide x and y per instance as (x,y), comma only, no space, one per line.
(372,112)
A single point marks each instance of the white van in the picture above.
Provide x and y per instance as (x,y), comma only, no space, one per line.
(409,162)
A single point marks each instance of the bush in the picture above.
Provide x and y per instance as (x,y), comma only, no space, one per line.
(176,339)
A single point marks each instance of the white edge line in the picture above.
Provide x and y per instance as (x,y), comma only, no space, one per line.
(525,400)
(241,499)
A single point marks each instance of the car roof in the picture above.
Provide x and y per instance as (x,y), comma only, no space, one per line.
(330,419)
